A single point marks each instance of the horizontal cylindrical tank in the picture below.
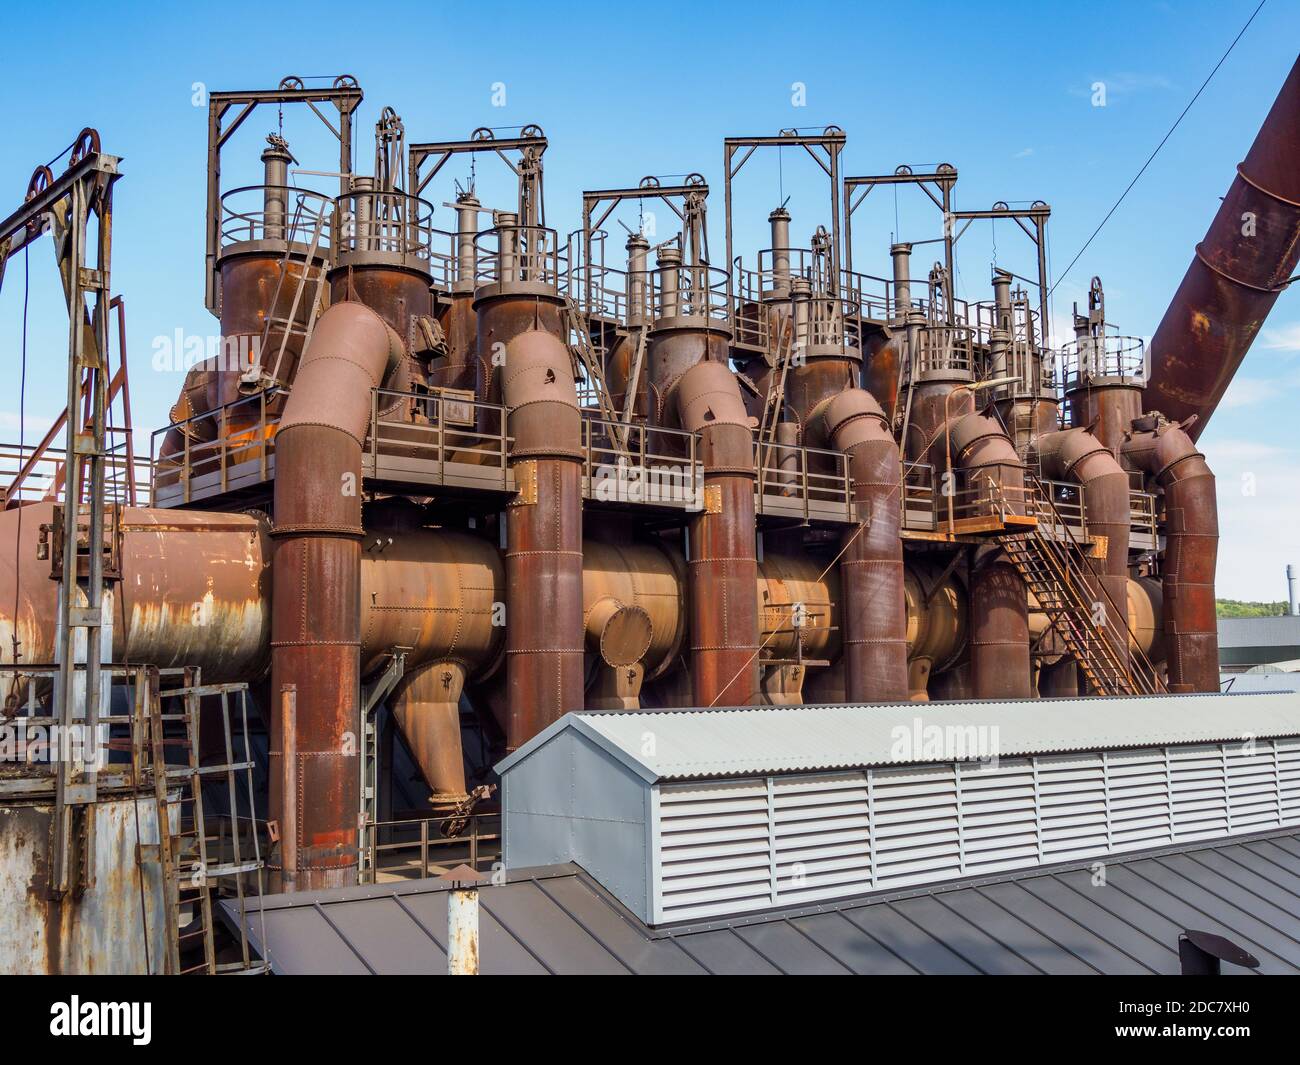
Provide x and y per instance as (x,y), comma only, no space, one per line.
(194,591)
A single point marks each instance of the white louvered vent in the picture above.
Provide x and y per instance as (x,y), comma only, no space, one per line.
(726,847)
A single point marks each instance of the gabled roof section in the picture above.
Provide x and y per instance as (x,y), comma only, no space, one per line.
(741,741)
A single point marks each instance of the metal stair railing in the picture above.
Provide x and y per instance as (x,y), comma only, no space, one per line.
(1065,591)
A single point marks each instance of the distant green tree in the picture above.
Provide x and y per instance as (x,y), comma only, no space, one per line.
(1239,608)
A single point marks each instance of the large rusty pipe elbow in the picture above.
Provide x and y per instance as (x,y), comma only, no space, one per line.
(1247,258)
(1168,454)
(871,566)
(1077,455)
(426,706)
(315,621)
(543,558)
(999,599)
(723,562)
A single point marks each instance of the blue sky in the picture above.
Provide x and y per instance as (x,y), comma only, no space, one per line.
(1003,92)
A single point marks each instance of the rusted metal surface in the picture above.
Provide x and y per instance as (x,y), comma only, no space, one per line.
(799,611)
(871,566)
(1078,455)
(936,623)
(1245,261)
(1145,618)
(999,631)
(705,398)
(315,627)
(1109,408)
(1168,456)
(543,556)
(113,926)
(195,591)
(634,617)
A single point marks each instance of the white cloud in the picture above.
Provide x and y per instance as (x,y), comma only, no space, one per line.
(1281,338)
(1023,153)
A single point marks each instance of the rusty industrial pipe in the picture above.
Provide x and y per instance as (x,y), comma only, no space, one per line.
(1165,452)
(723,564)
(999,600)
(315,623)
(1245,261)
(544,626)
(871,566)
(1078,455)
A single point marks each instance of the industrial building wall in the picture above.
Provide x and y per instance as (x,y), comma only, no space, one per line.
(570,801)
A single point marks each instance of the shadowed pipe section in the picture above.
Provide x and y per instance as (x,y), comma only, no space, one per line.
(1249,253)
(871,568)
(999,600)
(1167,453)
(723,568)
(544,625)
(315,622)
(1077,455)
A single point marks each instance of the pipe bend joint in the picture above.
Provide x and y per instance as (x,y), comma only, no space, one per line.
(538,388)
(850,417)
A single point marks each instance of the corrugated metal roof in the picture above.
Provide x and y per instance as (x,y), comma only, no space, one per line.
(558,920)
(684,744)
(1282,631)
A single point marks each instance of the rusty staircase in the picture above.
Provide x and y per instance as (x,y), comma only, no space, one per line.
(1065,583)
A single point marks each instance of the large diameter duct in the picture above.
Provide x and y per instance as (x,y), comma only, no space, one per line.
(431,594)
(871,565)
(193,591)
(1166,453)
(722,559)
(634,618)
(544,644)
(315,626)
(1077,455)
(999,611)
(1246,259)
(936,624)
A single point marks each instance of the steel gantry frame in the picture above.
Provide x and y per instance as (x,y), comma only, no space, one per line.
(943,177)
(530,144)
(345,94)
(64,207)
(1038,213)
(825,149)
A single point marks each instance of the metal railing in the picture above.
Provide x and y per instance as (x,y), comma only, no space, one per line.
(1061,502)
(639,463)
(389,223)
(811,481)
(517,253)
(236,438)
(1107,356)
(689,291)
(443,436)
(292,216)
(430,846)
(918,497)
(1144,522)
(126,482)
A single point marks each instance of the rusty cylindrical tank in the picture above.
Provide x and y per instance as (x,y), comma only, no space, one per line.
(1247,258)
(315,627)
(194,591)
(800,619)
(634,617)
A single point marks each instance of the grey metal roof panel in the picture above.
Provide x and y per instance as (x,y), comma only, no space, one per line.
(1051,921)
(1281,631)
(685,744)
